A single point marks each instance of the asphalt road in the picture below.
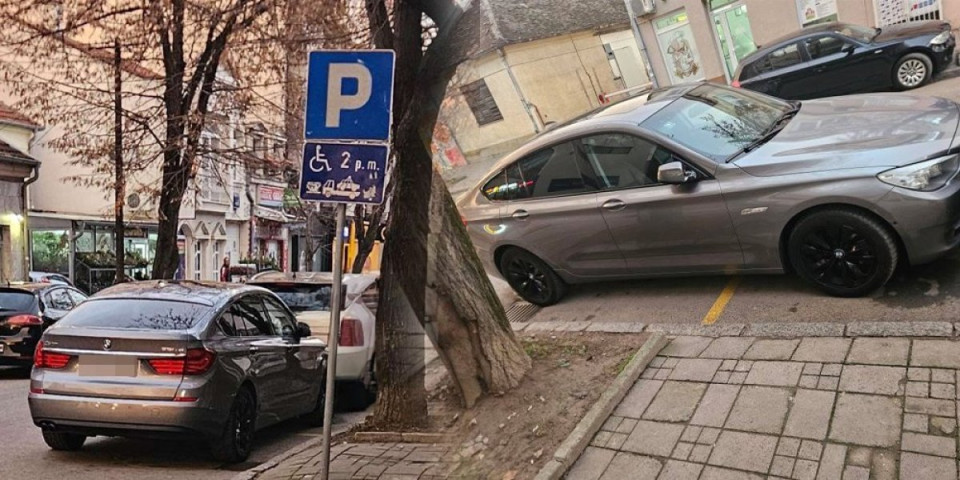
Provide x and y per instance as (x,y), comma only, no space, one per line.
(25,454)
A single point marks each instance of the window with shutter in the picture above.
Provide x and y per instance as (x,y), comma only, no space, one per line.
(481,102)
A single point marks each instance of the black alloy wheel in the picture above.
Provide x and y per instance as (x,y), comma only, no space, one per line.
(530,277)
(843,252)
(236,441)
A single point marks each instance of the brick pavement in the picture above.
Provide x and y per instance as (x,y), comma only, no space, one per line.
(367,461)
(805,409)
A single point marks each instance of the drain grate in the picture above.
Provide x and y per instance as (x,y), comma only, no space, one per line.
(521,312)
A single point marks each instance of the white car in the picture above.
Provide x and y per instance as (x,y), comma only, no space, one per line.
(47,277)
(308,294)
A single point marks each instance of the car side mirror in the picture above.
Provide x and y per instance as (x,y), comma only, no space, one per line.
(848,48)
(303,330)
(675,173)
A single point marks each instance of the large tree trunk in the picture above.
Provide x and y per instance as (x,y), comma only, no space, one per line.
(167,258)
(427,251)
(467,321)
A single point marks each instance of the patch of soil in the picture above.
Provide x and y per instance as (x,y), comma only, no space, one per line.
(512,436)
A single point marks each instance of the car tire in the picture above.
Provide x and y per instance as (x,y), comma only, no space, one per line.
(531,277)
(236,440)
(844,253)
(315,417)
(912,70)
(63,441)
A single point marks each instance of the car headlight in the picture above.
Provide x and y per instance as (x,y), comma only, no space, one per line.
(923,176)
(941,38)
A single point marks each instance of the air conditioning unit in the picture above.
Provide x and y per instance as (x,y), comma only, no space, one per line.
(647,7)
(135,203)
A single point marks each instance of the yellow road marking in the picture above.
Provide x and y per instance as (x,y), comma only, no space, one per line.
(718,306)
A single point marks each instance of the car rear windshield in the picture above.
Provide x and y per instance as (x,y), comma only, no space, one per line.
(136,314)
(716,121)
(302,297)
(16,301)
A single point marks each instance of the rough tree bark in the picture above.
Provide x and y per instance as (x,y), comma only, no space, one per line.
(428,255)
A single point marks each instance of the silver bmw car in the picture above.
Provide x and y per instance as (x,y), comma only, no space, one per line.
(705,179)
(213,361)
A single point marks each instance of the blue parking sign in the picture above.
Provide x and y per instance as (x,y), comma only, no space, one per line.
(344,173)
(349,95)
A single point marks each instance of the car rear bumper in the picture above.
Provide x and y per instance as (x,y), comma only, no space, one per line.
(122,417)
(928,222)
(351,363)
(17,349)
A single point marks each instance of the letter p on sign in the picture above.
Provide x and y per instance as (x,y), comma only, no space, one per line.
(349,95)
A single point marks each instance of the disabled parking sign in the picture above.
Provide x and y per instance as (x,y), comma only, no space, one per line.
(347,125)
(342,172)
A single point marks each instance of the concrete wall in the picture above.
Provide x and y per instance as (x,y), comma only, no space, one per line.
(16,137)
(560,78)
(12,244)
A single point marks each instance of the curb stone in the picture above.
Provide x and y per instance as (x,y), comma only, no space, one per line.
(766,330)
(576,442)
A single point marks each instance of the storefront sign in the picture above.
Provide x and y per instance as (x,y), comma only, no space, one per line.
(268,196)
(812,12)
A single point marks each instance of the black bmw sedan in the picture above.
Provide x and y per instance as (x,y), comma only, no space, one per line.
(25,313)
(840,58)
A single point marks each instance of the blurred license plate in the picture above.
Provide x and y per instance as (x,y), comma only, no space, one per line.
(108,366)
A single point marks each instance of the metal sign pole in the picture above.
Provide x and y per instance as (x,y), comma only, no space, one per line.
(336,304)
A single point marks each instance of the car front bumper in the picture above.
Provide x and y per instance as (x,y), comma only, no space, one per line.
(943,54)
(123,417)
(927,222)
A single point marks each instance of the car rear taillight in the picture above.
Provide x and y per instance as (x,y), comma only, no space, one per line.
(45,359)
(735,84)
(351,333)
(196,362)
(24,321)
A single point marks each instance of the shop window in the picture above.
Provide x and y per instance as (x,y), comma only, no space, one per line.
(481,102)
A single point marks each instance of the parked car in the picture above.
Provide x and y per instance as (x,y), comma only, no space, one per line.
(708,179)
(176,358)
(840,58)
(46,277)
(308,294)
(26,311)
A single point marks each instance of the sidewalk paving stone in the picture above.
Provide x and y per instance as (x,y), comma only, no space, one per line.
(677,470)
(653,438)
(686,346)
(759,409)
(826,349)
(880,351)
(591,464)
(627,465)
(695,369)
(675,402)
(873,379)
(768,349)
(727,347)
(831,463)
(714,473)
(870,420)
(638,398)
(730,448)
(715,405)
(930,444)
(914,466)
(810,415)
(783,374)
(935,353)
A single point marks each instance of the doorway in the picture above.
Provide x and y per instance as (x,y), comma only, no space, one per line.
(734,36)
(678,47)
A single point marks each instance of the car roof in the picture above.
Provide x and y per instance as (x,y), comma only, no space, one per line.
(205,293)
(792,37)
(632,110)
(28,287)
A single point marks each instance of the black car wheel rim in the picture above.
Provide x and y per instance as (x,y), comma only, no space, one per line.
(243,425)
(528,279)
(838,256)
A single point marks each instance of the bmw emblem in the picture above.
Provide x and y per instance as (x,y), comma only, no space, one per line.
(107,344)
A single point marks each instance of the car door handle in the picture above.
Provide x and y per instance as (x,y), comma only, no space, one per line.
(613,205)
(520,214)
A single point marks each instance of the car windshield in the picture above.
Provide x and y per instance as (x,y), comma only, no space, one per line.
(136,314)
(717,122)
(302,297)
(856,32)
(16,301)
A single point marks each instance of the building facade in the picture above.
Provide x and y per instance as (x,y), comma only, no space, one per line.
(552,60)
(17,169)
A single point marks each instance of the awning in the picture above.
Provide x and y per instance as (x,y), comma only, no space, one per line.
(273,215)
